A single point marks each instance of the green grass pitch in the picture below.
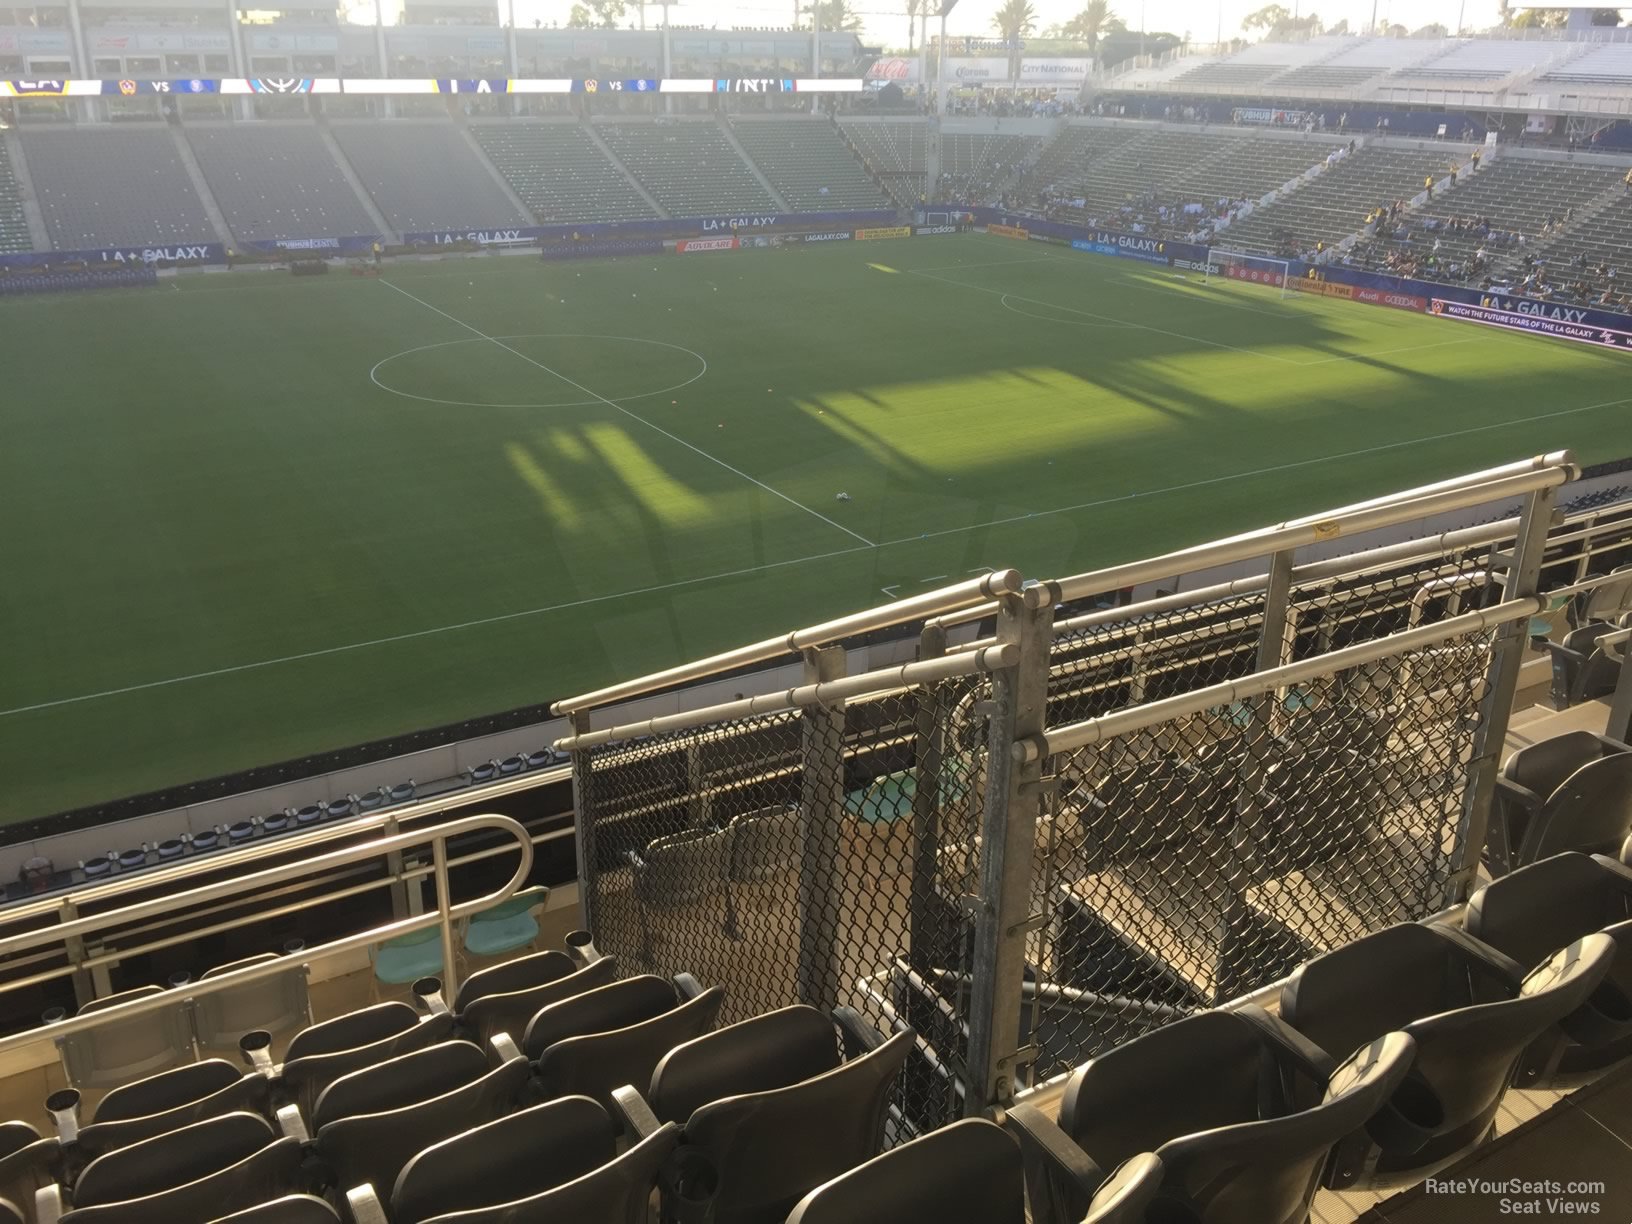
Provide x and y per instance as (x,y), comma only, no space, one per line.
(249,518)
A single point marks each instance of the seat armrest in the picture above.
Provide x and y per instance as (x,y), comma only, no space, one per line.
(48,1204)
(633,1113)
(292,1124)
(1613,745)
(504,1048)
(364,1205)
(687,987)
(859,1036)
(1060,1177)
(1484,957)
(1512,792)
(256,1051)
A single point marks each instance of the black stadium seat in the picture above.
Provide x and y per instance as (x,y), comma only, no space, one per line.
(970,1170)
(1571,792)
(290,1209)
(752,1096)
(1242,1111)
(171,1159)
(506,1004)
(1538,909)
(273,1171)
(169,1100)
(1470,1010)
(306,1074)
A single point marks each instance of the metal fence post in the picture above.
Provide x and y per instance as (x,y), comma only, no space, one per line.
(1521,578)
(583,826)
(1276,634)
(926,937)
(1003,914)
(1620,705)
(822,801)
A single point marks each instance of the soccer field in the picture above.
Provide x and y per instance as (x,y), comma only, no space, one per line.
(249,517)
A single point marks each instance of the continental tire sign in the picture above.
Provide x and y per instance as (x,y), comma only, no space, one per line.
(1008,231)
(894,231)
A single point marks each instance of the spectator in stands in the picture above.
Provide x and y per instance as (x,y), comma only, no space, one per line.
(1475,159)
(1428,185)
(1628,180)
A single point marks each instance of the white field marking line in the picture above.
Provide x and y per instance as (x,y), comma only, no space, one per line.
(1410,348)
(1004,302)
(755,569)
(633,416)
(420,633)
(1263,471)
(373,374)
(998,263)
(1108,319)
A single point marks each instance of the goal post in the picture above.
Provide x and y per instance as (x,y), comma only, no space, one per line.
(1253,269)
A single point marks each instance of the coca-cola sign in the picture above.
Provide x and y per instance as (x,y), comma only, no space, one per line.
(894,69)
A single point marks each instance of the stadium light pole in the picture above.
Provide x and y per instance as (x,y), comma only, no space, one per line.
(940,59)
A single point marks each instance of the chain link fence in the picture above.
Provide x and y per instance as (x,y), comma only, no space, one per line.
(814,856)
(1193,861)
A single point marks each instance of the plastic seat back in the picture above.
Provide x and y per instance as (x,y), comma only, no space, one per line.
(616,1193)
(1268,1171)
(374,1147)
(522,973)
(277,1004)
(970,1170)
(596,1064)
(1542,767)
(1128,1193)
(765,1052)
(510,1011)
(141,1045)
(241,1094)
(27,1168)
(171,1159)
(766,843)
(290,1209)
(269,1173)
(167,1090)
(363,1027)
(613,1006)
(1590,812)
(772,1148)
(682,869)
(15,1136)
(515,1157)
(306,1078)
(416,1076)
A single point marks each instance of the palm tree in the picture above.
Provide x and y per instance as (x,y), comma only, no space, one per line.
(1014,21)
(1095,19)
(836,15)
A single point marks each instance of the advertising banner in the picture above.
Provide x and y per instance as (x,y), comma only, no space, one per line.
(1092,247)
(1134,246)
(355,244)
(1258,276)
(894,68)
(1382,297)
(1539,324)
(1305,284)
(935,229)
(705,244)
(1009,231)
(892,231)
(835,236)
(607,246)
(131,256)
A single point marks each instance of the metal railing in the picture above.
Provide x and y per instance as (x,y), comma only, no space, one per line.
(982,844)
(69,935)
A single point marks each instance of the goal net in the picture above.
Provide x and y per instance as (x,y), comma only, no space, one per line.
(1254,269)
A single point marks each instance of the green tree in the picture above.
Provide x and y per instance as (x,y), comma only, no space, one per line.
(1094,20)
(1436,30)
(1278,23)
(835,15)
(1013,22)
(596,15)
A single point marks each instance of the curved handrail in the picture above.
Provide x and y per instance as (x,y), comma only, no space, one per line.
(246,885)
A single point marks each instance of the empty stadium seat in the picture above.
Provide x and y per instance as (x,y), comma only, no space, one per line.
(271,1172)
(560,173)
(1570,792)
(140,1045)
(290,1209)
(1242,1111)
(970,1170)
(1538,909)
(1470,1010)
(504,997)
(167,1101)
(321,1054)
(27,1165)
(425,176)
(105,187)
(681,877)
(593,1043)
(171,1159)
(14,235)
(276,1004)
(1582,671)
(808,163)
(750,1098)
(370,1123)
(1125,1196)
(688,167)
(277,180)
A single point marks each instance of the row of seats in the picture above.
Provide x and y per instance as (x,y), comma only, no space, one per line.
(14,235)
(809,164)
(560,173)
(277,181)
(98,187)
(426,177)
(689,168)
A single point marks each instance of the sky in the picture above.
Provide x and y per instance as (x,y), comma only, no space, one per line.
(886,22)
